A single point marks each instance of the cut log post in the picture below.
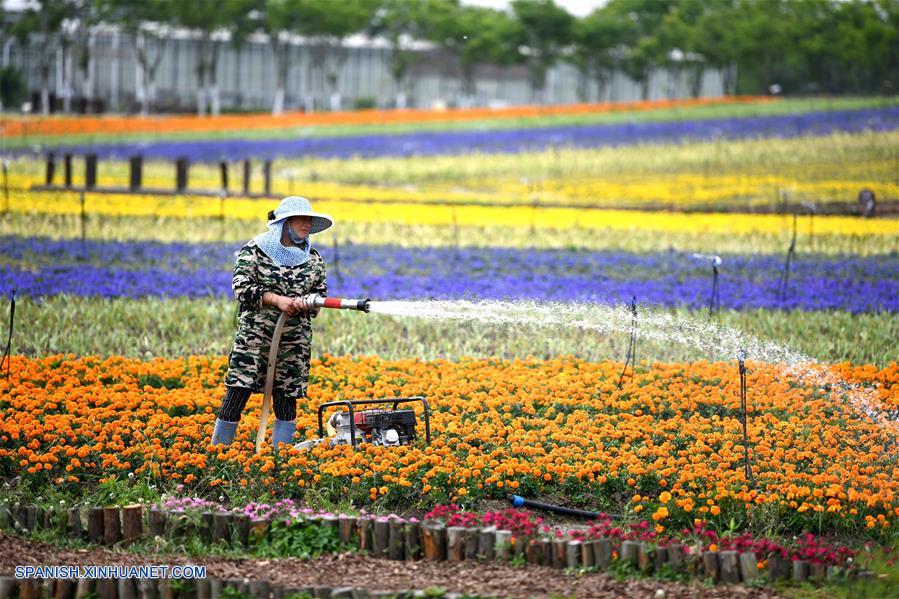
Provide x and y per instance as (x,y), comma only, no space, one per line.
(396,540)
(9,587)
(487,542)
(267,177)
(602,552)
(817,571)
(20,517)
(207,525)
(259,589)
(158,522)
(573,551)
(6,517)
(127,588)
(366,536)
(146,588)
(412,532)
(182,170)
(49,519)
(90,171)
(35,517)
(65,589)
(533,553)
(135,172)
(645,557)
(331,521)
(74,526)
(749,567)
(30,589)
(95,525)
(67,170)
(215,588)
(112,525)
(242,529)
(132,523)
(660,558)
(202,588)
(676,556)
(107,588)
(50,170)
(549,551)
(730,567)
(347,526)
(85,588)
(246,177)
(382,537)
(470,540)
(503,547)
(587,559)
(455,543)
(711,566)
(630,551)
(779,568)
(433,540)
(222,526)
(558,553)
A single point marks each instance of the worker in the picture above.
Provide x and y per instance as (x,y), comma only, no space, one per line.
(273,273)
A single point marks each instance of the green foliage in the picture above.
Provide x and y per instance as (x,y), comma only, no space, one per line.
(12,87)
(301,539)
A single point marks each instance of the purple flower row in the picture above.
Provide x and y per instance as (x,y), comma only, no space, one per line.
(509,140)
(141,269)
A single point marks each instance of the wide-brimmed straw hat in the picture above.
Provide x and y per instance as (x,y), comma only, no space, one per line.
(299,206)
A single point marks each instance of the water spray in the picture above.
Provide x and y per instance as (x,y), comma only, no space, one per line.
(315,301)
(715,297)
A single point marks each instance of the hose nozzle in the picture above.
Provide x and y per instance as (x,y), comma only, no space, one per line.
(362,305)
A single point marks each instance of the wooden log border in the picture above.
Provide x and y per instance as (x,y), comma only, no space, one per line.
(388,538)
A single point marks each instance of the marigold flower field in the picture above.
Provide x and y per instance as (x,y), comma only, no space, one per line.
(126,314)
(557,426)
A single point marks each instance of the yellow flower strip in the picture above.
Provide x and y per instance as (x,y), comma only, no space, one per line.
(537,427)
(419,214)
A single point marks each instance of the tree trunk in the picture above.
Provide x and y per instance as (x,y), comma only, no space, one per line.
(280,49)
(696,81)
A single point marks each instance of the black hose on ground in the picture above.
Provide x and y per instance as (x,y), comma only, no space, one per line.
(519,501)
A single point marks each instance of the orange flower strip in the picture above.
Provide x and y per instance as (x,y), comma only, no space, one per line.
(185,123)
(668,444)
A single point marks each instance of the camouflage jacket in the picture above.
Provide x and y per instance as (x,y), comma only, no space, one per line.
(254,274)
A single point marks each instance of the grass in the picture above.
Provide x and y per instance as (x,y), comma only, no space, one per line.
(174,327)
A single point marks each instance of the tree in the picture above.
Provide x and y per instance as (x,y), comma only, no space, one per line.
(212,21)
(599,46)
(472,34)
(645,50)
(43,23)
(148,25)
(325,23)
(544,31)
(400,22)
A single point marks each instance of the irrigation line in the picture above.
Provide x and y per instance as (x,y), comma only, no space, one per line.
(631,357)
(785,277)
(715,299)
(7,357)
(741,360)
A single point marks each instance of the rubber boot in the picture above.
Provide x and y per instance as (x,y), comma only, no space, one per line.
(224,432)
(282,431)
